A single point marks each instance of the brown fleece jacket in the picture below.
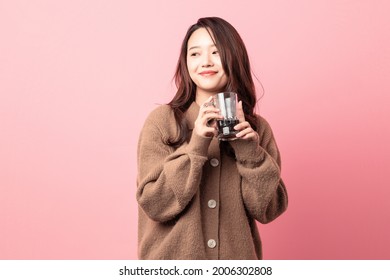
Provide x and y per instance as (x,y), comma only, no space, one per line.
(197,202)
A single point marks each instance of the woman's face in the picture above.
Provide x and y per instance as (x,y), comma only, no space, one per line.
(204,63)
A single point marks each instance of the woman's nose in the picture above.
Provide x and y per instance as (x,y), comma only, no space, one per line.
(207,61)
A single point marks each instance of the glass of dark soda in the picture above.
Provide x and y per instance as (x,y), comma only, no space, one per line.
(226,102)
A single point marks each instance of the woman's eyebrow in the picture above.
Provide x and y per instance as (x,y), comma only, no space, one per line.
(198,47)
(194,47)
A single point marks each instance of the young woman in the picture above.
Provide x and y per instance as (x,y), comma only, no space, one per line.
(199,197)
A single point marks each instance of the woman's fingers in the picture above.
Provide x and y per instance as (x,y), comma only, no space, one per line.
(240,112)
(246,131)
(208,103)
(205,124)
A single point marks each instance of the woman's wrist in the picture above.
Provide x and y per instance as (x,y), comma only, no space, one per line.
(247,151)
(199,144)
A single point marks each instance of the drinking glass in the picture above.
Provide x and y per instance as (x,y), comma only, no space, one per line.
(226,102)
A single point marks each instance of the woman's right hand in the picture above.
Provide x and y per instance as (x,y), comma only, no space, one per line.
(205,124)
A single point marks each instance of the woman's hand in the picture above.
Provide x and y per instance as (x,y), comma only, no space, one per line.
(205,124)
(245,130)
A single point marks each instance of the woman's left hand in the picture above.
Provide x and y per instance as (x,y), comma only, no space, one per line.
(245,130)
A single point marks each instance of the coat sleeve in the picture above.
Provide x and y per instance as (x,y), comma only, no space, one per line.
(263,191)
(167,179)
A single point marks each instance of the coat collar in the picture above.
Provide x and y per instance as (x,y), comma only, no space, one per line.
(191,114)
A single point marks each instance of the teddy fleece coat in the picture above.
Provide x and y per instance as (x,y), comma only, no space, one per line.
(197,202)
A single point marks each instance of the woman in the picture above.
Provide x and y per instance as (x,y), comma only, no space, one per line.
(200,198)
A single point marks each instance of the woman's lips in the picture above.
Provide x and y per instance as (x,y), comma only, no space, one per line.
(208,73)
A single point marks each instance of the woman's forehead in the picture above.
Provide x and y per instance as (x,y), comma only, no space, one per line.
(200,38)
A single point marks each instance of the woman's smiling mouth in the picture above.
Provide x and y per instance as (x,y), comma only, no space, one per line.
(208,73)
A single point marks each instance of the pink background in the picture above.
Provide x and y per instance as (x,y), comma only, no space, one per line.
(77,79)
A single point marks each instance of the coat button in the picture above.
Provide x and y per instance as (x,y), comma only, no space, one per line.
(211,243)
(214,162)
(212,203)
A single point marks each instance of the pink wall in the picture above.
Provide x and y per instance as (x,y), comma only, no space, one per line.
(77,79)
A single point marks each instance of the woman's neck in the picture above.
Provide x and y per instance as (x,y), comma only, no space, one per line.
(202,96)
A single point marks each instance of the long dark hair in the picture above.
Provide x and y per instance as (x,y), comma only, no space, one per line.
(235,63)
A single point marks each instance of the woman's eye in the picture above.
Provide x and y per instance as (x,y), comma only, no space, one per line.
(215,52)
(194,54)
